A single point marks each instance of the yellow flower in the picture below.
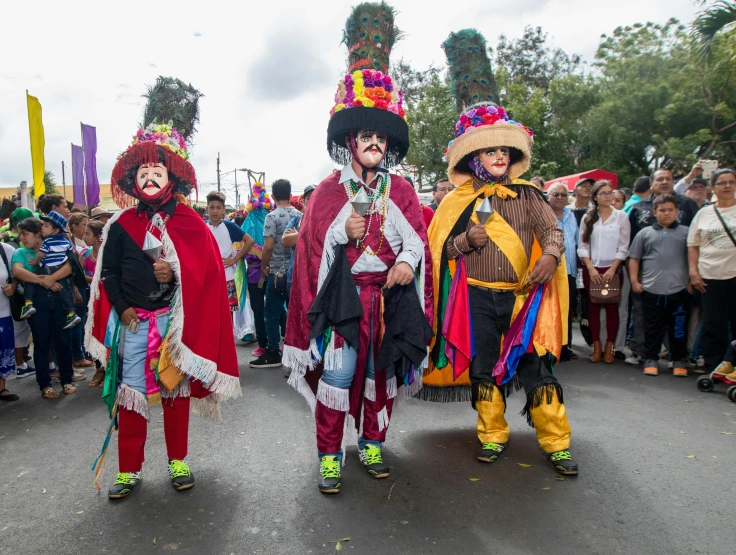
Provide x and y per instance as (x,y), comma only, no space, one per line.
(358,74)
(359,83)
(339,107)
(367,102)
(358,90)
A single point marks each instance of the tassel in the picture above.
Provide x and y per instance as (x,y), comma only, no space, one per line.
(382,419)
(99,465)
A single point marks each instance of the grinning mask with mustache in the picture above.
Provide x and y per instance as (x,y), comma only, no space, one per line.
(492,164)
(152,184)
(368,148)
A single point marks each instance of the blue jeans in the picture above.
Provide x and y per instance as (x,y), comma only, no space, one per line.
(47,327)
(343,377)
(274,314)
(135,347)
(78,351)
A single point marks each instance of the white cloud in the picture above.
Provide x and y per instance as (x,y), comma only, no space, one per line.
(268,70)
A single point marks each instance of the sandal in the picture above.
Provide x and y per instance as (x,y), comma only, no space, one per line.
(49,393)
(9,396)
(98,379)
(69,389)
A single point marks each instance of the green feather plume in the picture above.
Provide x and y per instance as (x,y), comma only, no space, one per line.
(370,35)
(172,101)
(470,68)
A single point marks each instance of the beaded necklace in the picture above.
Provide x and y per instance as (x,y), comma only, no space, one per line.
(379,195)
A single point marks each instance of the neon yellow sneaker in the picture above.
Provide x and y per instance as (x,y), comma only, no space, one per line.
(373,462)
(124,484)
(329,475)
(490,451)
(181,477)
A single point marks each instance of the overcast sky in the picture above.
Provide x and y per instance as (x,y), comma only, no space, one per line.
(268,70)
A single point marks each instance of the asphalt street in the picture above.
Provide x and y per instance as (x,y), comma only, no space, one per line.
(657,463)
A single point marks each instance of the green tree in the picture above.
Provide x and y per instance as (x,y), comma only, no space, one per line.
(49,183)
(721,16)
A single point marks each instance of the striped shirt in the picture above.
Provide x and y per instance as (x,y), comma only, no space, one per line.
(529,215)
(54,248)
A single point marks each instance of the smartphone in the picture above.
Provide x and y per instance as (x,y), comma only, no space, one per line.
(133,327)
(709,166)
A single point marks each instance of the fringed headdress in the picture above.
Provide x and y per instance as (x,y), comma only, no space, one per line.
(367,97)
(483,123)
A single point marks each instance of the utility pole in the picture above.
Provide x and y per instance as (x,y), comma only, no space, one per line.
(63,178)
(237,195)
(218,172)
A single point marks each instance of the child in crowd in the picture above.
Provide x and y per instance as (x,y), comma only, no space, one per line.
(726,368)
(658,270)
(51,257)
(88,258)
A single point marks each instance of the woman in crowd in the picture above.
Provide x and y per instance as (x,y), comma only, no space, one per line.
(604,245)
(88,258)
(619,199)
(77,228)
(48,322)
(7,334)
(712,264)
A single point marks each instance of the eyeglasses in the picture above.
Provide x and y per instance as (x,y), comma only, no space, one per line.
(558,195)
(605,194)
(724,183)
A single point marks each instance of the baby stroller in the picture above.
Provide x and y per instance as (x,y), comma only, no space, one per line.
(724,372)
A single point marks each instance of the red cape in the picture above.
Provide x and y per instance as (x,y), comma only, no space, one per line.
(311,263)
(201,341)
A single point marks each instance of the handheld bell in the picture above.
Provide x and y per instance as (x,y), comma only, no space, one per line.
(484,211)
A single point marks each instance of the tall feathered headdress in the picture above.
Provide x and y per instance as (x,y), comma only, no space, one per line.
(470,69)
(483,124)
(366,97)
(169,124)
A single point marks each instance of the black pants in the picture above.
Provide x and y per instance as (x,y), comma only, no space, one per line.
(491,317)
(666,314)
(257,297)
(718,310)
(47,326)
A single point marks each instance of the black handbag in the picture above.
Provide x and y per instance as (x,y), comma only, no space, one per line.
(77,276)
(16,299)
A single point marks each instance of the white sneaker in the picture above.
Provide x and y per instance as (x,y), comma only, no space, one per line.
(634,360)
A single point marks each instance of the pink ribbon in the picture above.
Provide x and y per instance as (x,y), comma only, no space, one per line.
(154,342)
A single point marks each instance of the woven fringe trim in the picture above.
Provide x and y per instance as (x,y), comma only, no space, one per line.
(333,397)
(299,361)
(408,391)
(182,389)
(328,252)
(95,348)
(453,394)
(542,394)
(350,435)
(382,419)
(333,357)
(390,388)
(208,408)
(512,386)
(409,236)
(133,400)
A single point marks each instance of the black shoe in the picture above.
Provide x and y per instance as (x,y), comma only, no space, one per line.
(124,484)
(563,463)
(270,359)
(20,374)
(567,354)
(490,451)
(181,477)
(371,459)
(329,475)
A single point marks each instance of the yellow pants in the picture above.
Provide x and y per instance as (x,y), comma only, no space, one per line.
(550,422)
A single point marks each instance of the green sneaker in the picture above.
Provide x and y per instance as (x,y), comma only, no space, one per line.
(181,476)
(329,475)
(372,461)
(490,451)
(124,484)
(27,311)
(71,320)
(563,463)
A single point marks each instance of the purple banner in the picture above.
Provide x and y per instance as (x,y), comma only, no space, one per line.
(78,175)
(89,144)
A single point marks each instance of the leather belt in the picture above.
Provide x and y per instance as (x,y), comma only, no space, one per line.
(492,289)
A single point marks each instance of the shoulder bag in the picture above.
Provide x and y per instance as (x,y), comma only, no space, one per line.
(725,226)
(16,299)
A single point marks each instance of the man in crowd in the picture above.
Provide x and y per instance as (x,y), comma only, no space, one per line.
(275,266)
(642,190)
(642,216)
(226,233)
(696,172)
(583,189)
(100,213)
(658,269)
(557,196)
(698,191)
(439,190)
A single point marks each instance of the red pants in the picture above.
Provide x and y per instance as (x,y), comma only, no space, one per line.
(132,429)
(331,424)
(594,311)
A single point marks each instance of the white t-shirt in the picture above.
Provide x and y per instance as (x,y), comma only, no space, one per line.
(717,258)
(225,242)
(4,302)
(609,240)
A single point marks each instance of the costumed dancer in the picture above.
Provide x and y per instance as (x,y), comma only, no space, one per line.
(498,273)
(355,349)
(259,205)
(159,313)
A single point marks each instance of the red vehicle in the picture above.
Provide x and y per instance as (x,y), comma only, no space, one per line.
(570,180)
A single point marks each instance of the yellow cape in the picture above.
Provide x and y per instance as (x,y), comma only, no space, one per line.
(550,332)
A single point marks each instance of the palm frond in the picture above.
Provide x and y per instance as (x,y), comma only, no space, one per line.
(172,100)
(710,22)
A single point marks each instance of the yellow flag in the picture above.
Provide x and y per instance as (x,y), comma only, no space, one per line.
(35,125)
